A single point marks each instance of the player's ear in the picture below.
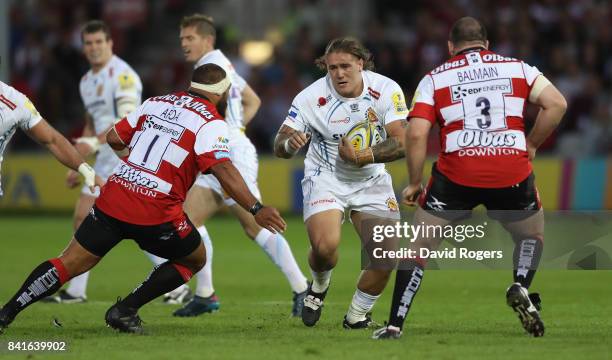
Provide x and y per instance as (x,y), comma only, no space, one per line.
(210,41)
(451,48)
(360,64)
(487,44)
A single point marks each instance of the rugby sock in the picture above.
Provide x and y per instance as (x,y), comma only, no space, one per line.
(407,282)
(43,281)
(164,278)
(156,260)
(78,285)
(277,248)
(204,287)
(362,304)
(526,258)
(320,281)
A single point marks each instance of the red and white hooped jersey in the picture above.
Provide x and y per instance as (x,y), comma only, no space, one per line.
(171,139)
(478,99)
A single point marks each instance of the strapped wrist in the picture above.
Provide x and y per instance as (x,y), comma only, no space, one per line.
(88,173)
(287,148)
(92,141)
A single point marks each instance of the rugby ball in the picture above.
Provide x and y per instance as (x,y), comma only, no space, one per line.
(365,135)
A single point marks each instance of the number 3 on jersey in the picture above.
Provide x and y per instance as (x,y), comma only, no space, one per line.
(484,106)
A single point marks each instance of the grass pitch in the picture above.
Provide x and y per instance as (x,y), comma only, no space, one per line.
(457,314)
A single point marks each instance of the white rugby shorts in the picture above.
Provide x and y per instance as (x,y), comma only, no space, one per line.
(374,196)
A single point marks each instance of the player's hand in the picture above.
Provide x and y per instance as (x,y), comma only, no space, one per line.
(269,218)
(73,179)
(297,141)
(411,193)
(531,151)
(99,182)
(347,151)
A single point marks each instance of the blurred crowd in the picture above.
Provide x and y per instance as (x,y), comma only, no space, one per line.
(570,41)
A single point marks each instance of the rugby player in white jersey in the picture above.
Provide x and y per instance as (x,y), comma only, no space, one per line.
(110,90)
(16,110)
(478,99)
(339,179)
(206,197)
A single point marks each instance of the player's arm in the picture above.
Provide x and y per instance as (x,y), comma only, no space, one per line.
(415,147)
(114,141)
(552,108)
(124,106)
(393,147)
(234,185)
(87,144)
(289,141)
(415,144)
(250,104)
(63,151)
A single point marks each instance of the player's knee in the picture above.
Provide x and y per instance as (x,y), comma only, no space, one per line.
(323,250)
(197,260)
(76,265)
(198,265)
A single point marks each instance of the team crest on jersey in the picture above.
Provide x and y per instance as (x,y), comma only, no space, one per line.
(399,104)
(99,90)
(126,81)
(392,204)
(371,115)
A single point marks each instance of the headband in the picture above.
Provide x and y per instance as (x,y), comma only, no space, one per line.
(218,88)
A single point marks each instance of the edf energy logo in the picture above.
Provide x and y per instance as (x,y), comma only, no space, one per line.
(163,126)
(490,87)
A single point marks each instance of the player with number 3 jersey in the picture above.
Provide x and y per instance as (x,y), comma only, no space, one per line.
(478,100)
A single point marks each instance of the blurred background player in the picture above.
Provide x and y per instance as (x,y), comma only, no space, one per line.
(478,99)
(109,90)
(336,177)
(143,199)
(16,110)
(198,37)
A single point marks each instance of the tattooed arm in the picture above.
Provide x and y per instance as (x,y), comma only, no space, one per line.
(393,147)
(288,142)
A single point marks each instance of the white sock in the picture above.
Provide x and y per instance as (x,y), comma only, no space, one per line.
(362,303)
(156,260)
(277,248)
(78,285)
(204,287)
(320,280)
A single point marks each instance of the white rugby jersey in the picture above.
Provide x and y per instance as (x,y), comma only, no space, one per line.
(16,110)
(327,116)
(100,91)
(234,113)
